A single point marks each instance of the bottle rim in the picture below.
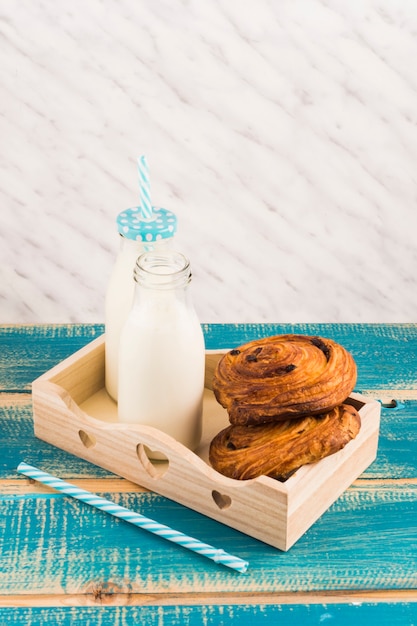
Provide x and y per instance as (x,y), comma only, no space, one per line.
(162,270)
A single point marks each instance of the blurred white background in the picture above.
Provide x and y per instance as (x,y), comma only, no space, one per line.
(282,134)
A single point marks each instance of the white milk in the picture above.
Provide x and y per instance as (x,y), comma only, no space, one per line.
(136,236)
(162,357)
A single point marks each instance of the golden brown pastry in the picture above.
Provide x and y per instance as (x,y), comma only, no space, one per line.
(278,449)
(283,377)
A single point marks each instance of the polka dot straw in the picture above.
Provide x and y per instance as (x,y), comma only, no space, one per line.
(215,554)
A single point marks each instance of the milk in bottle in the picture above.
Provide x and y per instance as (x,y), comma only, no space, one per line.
(162,356)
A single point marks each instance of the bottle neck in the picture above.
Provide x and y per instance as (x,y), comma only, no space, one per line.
(162,271)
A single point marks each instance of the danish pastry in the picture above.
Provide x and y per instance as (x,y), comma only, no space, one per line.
(283,377)
(278,449)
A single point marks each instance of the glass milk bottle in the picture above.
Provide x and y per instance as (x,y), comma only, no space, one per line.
(162,355)
(136,236)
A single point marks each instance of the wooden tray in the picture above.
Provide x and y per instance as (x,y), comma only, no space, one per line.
(72,411)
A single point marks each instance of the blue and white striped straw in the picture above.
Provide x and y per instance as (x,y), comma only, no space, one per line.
(145,190)
(215,554)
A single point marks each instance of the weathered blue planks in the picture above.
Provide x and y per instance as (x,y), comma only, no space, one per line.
(26,352)
(360,614)
(51,545)
(62,546)
(397,445)
(386,354)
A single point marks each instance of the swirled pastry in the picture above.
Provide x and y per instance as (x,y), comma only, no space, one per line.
(278,449)
(283,377)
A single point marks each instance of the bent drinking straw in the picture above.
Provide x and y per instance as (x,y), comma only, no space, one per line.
(216,555)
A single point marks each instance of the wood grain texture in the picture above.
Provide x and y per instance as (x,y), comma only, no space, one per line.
(396,458)
(29,351)
(361,614)
(16,428)
(364,547)
(386,354)
(63,546)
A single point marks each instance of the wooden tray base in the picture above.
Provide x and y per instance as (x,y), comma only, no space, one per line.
(72,411)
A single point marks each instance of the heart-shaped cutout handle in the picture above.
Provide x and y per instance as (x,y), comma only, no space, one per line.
(223,501)
(155,463)
(89,441)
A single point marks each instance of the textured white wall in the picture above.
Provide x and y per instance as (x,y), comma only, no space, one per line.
(284,137)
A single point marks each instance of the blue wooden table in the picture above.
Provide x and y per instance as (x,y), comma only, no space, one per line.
(63,562)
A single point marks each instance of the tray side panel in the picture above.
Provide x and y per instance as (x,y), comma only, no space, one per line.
(184,478)
(314,492)
(81,374)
